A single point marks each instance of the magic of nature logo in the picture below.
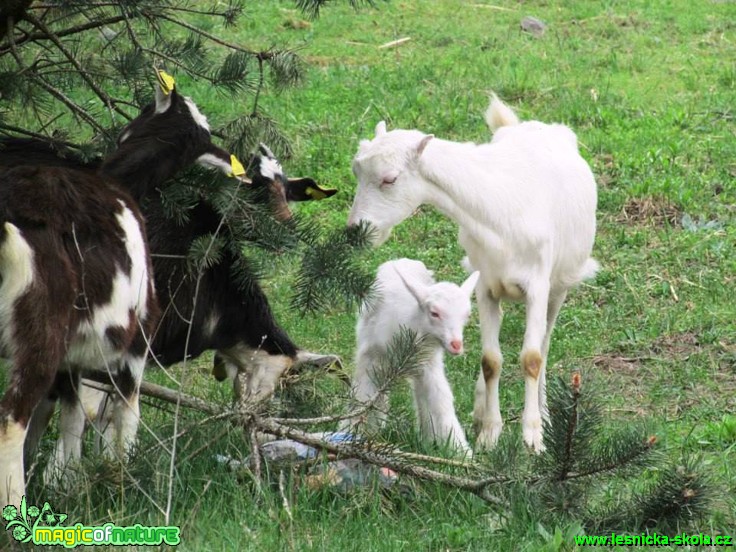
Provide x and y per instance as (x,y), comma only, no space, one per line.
(43,526)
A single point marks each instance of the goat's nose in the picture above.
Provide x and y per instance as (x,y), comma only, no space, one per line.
(456,346)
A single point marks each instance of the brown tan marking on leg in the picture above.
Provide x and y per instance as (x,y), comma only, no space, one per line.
(532,363)
(491,365)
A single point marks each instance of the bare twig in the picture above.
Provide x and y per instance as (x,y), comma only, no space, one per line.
(394,43)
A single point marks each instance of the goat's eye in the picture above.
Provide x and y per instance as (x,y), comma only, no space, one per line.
(387,181)
(435,314)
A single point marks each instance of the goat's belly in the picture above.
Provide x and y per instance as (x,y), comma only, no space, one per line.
(92,351)
(501,289)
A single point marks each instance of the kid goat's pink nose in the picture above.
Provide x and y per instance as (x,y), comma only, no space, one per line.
(456,346)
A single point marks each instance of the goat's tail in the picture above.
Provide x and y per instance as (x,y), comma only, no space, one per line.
(589,270)
(499,114)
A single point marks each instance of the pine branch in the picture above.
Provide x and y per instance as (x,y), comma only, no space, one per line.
(231,45)
(53,91)
(33,37)
(312,7)
(80,70)
(382,459)
(14,130)
(572,422)
(10,12)
(679,494)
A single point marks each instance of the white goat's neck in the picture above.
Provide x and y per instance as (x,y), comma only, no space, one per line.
(453,183)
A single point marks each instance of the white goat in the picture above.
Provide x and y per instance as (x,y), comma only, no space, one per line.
(409,297)
(525,203)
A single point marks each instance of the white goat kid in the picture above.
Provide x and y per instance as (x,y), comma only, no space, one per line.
(407,296)
(525,204)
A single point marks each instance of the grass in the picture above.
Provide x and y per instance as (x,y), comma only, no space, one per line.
(649,88)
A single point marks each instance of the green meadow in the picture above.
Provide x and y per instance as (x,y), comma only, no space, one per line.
(650,90)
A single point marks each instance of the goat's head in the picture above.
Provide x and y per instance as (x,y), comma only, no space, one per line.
(389,186)
(169,134)
(445,309)
(267,176)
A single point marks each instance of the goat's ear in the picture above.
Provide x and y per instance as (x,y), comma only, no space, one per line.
(164,90)
(381,128)
(469,285)
(218,158)
(305,189)
(263,149)
(418,291)
(423,144)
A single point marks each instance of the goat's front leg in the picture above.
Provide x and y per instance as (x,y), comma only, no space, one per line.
(367,393)
(267,370)
(487,419)
(435,407)
(533,364)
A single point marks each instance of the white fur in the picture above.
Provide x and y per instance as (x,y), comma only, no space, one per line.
(525,204)
(197,115)
(12,482)
(254,373)
(135,245)
(407,297)
(270,168)
(213,162)
(16,253)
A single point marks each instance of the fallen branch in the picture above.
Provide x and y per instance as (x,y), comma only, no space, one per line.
(367,452)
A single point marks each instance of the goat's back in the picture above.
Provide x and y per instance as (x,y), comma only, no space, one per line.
(15,152)
(542,197)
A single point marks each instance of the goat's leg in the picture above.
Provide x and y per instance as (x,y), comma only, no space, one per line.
(366,389)
(487,419)
(267,371)
(556,298)
(119,435)
(435,407)
(71,428)
(532,362)
(38,425)
(31,377)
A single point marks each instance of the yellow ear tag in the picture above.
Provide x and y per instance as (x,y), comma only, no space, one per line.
(314,193)
(165,81)
(236,167)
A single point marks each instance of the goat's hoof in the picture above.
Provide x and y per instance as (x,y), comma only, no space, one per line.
(488,436)
(532,431)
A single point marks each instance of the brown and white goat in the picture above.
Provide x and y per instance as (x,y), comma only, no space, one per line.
(76,285)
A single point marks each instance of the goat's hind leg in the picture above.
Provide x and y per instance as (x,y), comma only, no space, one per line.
(556,298)
(31,377)
(71,429)
(487,419)
(118,419)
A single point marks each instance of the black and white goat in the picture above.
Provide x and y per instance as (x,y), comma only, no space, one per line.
(210,310)
(76,286)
